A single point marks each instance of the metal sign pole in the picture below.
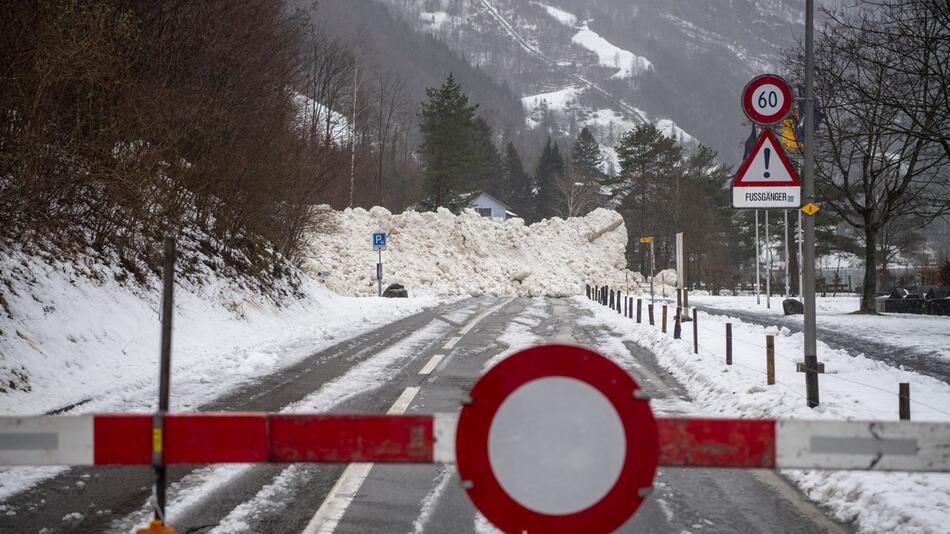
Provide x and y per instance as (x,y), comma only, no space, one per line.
(800,234)
(769,262)
(652,275)
(788,289)
(811,350)
(379,273)
(758,277)
(158,460)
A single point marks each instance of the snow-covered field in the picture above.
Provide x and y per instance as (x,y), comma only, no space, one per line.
(444,254)
(904,331)
(854,387)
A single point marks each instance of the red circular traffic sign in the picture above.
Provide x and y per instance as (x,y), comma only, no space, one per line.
(554,439)
(767,99)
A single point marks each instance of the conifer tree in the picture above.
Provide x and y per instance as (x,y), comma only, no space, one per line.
(550,170)
(586,157)
(450,152)
(520,188)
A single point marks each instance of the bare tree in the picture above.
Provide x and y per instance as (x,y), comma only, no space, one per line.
(876,160)
(575,197)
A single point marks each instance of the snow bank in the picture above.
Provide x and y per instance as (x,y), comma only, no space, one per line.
(70,335)
(438,253)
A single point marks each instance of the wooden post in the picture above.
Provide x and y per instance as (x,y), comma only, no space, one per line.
(663,324)
(676,323)
(650,313)
(770,360)
(611,299)
(695,331)
(619,298)
(904,401)
(728,343)
(639,309)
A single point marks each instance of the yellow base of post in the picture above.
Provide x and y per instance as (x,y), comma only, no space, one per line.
(155,527)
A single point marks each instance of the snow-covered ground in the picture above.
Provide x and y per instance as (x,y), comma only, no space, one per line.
(76,338)
(854,387)
(444,254)
(70,336)
(904,331)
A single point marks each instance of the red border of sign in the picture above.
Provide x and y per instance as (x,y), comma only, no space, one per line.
(613,382)
(766,134)
(755,84)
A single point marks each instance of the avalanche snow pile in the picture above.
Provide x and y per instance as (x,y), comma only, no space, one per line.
(439,253)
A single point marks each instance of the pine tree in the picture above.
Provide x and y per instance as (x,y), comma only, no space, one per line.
(586,157)
(449,149)
(520,189)
(550,169)
(490,169)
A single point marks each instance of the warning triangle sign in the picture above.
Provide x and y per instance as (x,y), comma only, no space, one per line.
(766,166)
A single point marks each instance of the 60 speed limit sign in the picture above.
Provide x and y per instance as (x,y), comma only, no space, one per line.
(767,99)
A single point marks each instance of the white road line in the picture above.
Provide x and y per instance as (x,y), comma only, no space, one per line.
(471,324)
(431,364)
(334,506)
(451,343)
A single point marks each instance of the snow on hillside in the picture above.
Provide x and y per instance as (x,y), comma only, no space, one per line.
(554,100)
(312,113)
(565,18)
(609,55)
(444,254)
(78,335)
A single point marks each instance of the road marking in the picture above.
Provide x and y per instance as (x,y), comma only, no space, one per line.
(471,324)
(451,343)
(431,364)
(334,506)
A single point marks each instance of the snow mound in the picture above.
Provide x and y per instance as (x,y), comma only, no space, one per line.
(439,253)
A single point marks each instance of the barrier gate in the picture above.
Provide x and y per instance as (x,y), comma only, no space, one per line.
(555,438)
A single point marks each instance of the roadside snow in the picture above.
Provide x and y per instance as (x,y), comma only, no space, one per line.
(854,387)
(903,331)
(438,253)
(67,338)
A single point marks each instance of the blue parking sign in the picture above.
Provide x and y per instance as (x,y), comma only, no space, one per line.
(379,240)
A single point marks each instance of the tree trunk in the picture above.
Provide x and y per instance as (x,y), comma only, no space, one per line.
(869,286)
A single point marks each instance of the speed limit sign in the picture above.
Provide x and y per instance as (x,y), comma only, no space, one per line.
(767,99)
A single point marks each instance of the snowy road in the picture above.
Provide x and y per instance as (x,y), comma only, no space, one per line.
(421,364)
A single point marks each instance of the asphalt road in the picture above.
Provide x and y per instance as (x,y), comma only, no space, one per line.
(362,498)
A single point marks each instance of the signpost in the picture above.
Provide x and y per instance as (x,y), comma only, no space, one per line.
(767,99)
(379,245)
(766,178)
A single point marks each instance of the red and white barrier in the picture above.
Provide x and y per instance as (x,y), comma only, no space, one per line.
(281,438)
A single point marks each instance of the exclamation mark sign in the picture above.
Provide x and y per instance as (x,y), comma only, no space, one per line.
(768,155)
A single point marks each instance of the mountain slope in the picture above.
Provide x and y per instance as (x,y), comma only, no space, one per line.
(680,63)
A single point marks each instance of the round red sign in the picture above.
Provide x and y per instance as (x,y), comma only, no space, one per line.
(767,99)
(555,439)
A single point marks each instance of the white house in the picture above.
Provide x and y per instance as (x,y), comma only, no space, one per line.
(489,206)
